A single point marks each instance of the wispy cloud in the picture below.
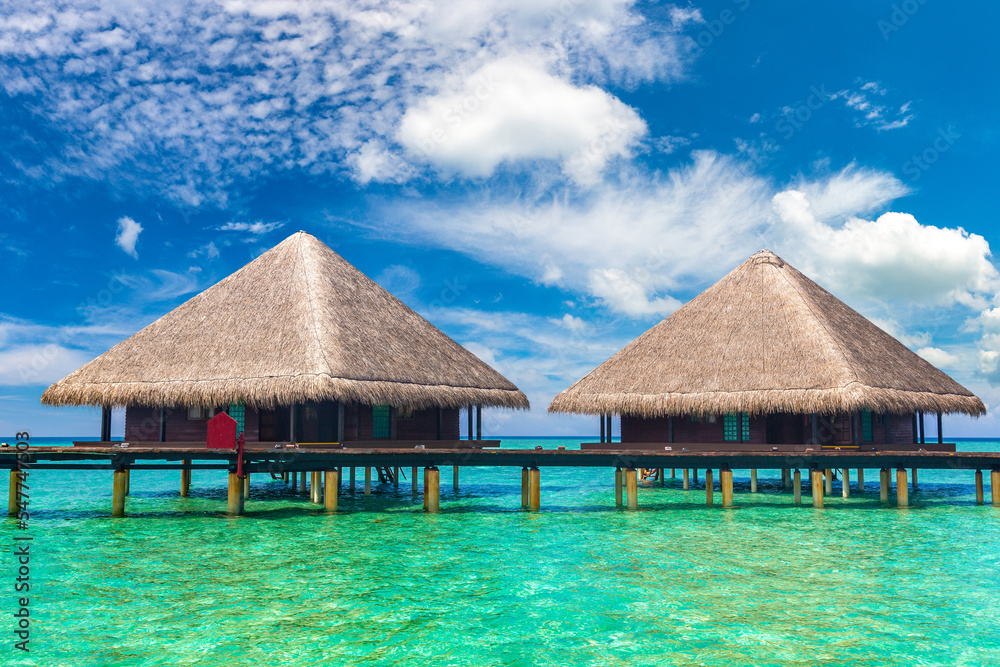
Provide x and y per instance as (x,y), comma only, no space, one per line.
(128,235)
(258,228)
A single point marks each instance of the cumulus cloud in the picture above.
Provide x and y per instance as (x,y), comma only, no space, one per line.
(187,96)
(938,357)
(128,235)
(513,109)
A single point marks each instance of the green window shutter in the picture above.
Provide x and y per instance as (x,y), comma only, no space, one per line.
(729,422)
(380,421)
(745,419)
(866,426)
(238,411)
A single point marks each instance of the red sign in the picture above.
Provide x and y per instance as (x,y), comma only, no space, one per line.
(222,432)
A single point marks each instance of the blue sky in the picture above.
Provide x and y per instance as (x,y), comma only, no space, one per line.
(543,180)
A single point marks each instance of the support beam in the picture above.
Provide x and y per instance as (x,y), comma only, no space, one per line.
(631,489)
(603,436)
(246,486)
(940,431)
(786,479)
(829,481)
(106,424)
(413,479)
(797,487)
(687,483)
(709,490)
(534,488)
(185,478)
(351,484)
(368,480)
(118,493)
(913,482)
(395,477)
(902,488)
(432,494)
(608,418)
(726,484)
(331,486)
(673,473)
(816,482)
(292,431)
(861,480)
(524,488)
(618,486)
(979,487)
(14,494)
(694,476)
(455,480)
(845,482)
(479,422)
(995,487)
(920,422)
(753,480)
(883,484)
(316,487)
(470,429)
(235,504)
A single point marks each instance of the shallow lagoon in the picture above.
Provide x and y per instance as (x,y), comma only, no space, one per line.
(485,583)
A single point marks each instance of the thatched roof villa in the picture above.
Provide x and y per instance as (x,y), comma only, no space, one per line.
(766,357)
(298,345)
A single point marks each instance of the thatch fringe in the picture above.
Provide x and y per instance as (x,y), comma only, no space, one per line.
(765,339)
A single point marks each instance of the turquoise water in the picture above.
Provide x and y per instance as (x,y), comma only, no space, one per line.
(485,583)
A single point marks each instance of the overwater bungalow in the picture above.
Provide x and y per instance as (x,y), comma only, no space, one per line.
(297,346)
(766,359)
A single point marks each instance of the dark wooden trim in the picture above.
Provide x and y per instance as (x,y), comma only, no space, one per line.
(940,433)
(601,417)
(106,424)
(163,425)
(921,422)
(479,422)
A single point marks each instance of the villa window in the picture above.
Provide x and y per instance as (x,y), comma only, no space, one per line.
(866,426)
(380,421)
(729,420)
(197,412)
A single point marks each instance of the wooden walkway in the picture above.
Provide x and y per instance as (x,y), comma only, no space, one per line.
(325,463)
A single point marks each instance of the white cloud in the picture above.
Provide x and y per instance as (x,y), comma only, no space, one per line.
(399,280)
(869,102)
(186,97)
(258,228)
(513,109)
(939,357)
(128,234)
(39,364)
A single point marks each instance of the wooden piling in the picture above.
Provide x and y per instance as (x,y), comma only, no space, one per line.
(246,486)
(995,487)
(753,480)
(534,488)
(861,480)
(395,477)
(845,483)
(797,486)
(618,487)
(185,478)
(786,479)
(331,486)
(829,481)
(235,505)
(455,481)
(14,494)
(316,487)
(524,488)
(432,490)
(694,476)
(673,473)
(118,493)
(352,480)
(631,489)
(368,480)
(726,484)
(128,481)
(687,483)
(413,479)
(902,488)
(979,487)
(913,481)
(883,484)
(709,490)
(816,481)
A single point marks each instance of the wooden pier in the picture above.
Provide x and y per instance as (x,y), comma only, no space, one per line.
(325,463)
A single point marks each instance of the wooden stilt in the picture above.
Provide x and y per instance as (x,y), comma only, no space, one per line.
(331,487)
(861,480)
(395,477)
(687,484)
(413,479)
(979,487)
(753,480)
(845,483)
(352,479)
(786,479)
(284,477)
(246,486)
(14,494)
(829,481)
(902,488)
(618,487)
(534,489)
(316,487)
(368,480)
(235,505)
(118,493)
(883,484)
(663,476)
(128,482)
(995,487)
(631,489)
(185,478)
(726,483)
(524,487)
(455,473)
(709,490)
(797,487)
(816,481)
(913,482)
(673,473)
(432,490)
(694,476)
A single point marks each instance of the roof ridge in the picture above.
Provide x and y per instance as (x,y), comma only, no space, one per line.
(307,275)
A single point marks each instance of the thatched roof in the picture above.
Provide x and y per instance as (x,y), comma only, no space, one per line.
(297,323)
(765,339)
